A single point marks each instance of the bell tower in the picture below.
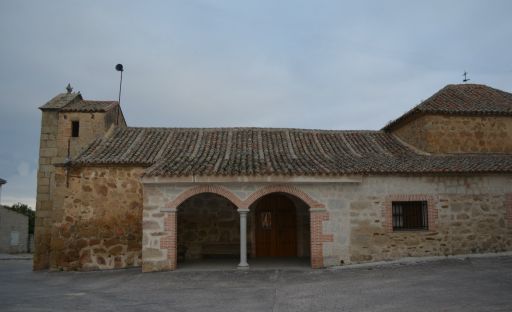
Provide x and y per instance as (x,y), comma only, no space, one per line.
(68,125)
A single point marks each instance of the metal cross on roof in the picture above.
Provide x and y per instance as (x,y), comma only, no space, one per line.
(466,79)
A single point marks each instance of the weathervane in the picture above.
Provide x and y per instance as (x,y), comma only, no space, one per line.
(466,79)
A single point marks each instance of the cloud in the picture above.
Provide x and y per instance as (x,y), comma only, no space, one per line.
(23,169)
(304,64)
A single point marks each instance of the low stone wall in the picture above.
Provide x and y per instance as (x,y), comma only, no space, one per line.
(97,219)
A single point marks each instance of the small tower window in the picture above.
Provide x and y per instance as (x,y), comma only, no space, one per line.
(75,128)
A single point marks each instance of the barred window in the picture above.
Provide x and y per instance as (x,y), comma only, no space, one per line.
(410,215)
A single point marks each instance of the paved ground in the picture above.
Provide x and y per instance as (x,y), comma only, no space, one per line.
(23,256)
(476,284)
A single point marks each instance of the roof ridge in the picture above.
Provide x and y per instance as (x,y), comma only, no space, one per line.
(252,128)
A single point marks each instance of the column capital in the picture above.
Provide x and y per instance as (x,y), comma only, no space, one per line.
(243,210)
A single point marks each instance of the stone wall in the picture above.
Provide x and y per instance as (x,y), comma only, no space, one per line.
(458,134)
(468,215)
(91,126)
(13,231)
(97,219)
(45,178)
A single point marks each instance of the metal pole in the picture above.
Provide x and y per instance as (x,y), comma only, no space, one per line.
(119,67)
(120,84)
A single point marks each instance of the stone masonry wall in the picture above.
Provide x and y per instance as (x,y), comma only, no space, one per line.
(97,219)
(13,231)
(466,215)
(91,126)
(458,134)
(45,179)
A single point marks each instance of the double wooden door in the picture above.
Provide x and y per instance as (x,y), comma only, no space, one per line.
(276,227)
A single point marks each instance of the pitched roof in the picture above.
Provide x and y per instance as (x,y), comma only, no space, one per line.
(266,151)
(61,100)
(89,106)
(2,181)
(73,102)
(462,99)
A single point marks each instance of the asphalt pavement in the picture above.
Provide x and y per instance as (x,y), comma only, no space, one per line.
(468,284)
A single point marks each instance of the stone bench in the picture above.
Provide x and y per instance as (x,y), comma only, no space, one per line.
(210,250)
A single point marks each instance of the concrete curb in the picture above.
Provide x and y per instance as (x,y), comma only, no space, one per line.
(417,260)
(15,256)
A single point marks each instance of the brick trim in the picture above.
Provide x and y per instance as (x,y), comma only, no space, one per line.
(432,212)
(169,242)
(508,207)
(282,188)
(215,189)
(318,237)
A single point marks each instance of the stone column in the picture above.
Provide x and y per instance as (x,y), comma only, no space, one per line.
(243,239)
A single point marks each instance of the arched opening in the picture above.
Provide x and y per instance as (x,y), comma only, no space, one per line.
(208,228)
(279,226)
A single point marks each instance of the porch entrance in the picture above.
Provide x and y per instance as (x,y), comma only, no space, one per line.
(275,228)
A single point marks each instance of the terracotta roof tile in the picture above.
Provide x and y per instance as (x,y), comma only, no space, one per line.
(89,106)
(61,100)
(73,102)
(462,99)
(267,151)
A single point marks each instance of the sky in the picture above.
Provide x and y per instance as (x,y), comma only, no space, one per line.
(301,64)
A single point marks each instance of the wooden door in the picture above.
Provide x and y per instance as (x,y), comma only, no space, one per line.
(276,227)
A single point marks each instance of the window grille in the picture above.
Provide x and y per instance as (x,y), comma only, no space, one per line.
(410,215)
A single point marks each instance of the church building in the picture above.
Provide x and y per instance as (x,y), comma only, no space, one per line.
(436,181)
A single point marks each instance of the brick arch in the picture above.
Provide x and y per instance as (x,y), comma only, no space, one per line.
(288,189)
(215,189)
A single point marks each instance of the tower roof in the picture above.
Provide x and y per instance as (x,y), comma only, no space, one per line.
(461,99)
(73,102)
